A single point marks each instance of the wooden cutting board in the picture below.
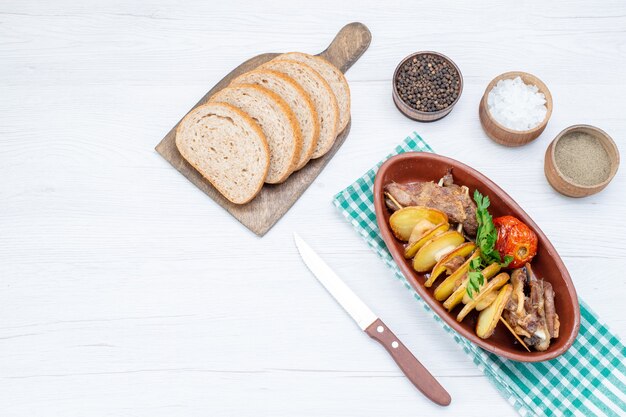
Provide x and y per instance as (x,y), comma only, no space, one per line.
(273,201)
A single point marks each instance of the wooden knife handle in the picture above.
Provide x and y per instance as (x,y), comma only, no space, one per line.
(412,368)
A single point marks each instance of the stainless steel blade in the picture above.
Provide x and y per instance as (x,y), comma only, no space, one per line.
(335,286)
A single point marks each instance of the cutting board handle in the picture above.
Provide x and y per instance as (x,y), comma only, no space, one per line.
(352,40)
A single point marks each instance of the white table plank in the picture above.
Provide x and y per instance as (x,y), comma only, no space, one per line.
(127,292)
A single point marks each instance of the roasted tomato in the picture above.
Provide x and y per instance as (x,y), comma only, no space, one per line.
(515,239)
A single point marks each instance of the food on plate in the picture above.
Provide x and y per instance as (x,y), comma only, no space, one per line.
(428,255)
(454,280)
(496,283)
(532,316)
(445,196)
(285,104)
(227,148)
(298,101)
(421,229)
(486,302)
(453,260)
(277,121)
(515,239)
(486,237)
(321,94)
(488,273)
(490,316)
(404,221)
(424,238)
(335,79)
(460,293)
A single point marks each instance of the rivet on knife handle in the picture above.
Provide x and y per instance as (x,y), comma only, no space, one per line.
(412,368)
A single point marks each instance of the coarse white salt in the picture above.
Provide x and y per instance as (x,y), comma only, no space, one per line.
(516,105)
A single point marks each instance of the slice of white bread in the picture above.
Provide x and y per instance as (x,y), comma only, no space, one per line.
(277,121)
(227,147)
(321,94)
(297,99)
(333,76)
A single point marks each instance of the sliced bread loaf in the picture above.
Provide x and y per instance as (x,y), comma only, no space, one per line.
(277,121)
(227,147)
(321,94)
(333,76)
(297,99)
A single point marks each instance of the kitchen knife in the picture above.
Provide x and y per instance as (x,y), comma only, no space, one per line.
(372,325)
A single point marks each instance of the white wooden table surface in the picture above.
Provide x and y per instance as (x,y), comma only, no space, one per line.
(125,291)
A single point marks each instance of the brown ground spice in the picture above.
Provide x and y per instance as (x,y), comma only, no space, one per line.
(582,158)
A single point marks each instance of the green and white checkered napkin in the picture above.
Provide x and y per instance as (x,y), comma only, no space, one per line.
(588,380)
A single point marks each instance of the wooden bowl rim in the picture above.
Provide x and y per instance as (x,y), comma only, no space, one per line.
(543,88)
(437,307)
(424,113)
(603,137)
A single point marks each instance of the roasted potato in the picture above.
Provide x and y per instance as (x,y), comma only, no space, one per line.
(447,287)
(486,302)
(403,221)
(488,318)
(492,285)
(460,292)
(421,228)
(433,250)
(463,250)
(412,249)
(489,272)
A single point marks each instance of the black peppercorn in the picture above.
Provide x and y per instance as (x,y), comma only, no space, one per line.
(428,83)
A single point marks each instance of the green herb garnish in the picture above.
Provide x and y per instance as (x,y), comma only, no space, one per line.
(486,237)
(475,277)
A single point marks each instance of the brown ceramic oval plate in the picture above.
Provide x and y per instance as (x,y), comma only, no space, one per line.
(547,264)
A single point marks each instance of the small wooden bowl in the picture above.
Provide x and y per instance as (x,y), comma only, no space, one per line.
(565,185)
(503,135)
(409,111)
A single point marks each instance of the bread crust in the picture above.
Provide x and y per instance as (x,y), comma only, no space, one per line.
(251,123)
(325,147)
(284,107)
(344,113)
(308,151)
